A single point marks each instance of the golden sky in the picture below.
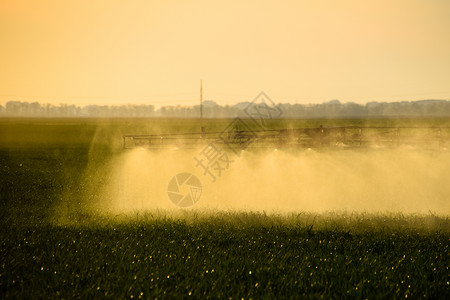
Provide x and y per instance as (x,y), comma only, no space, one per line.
(155,52)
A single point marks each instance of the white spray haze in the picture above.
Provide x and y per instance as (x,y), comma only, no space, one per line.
(392,180)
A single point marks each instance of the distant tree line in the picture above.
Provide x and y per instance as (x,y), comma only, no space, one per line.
(334,108)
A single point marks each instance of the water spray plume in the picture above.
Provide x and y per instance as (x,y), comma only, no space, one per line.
(401,180)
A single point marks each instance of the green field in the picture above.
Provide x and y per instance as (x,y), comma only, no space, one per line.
(52,247)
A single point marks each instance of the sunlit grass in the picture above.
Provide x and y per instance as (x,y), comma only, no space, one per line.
(229,255)
(356,222)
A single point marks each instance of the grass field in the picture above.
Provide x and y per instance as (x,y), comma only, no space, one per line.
(52,247)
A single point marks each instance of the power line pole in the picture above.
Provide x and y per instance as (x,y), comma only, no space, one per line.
(201,99)
(201,109)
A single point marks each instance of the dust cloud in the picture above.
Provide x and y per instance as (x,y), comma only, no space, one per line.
(401,180)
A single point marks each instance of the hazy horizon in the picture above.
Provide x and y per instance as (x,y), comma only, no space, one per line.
(212,102)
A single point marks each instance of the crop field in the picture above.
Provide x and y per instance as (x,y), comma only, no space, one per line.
(82,217)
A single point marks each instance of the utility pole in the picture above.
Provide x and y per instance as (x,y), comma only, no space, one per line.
(201,100)
(201,109)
